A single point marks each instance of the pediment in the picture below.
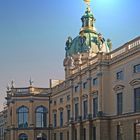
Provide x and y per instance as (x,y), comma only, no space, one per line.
(118,87)
(135,82)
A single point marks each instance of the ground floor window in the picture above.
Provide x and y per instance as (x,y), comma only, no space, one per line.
(84,133)
(75,134)
(41,136)
(67,135)
(119,132)
(137,131)
(94,133)
(61,136)
(23,137)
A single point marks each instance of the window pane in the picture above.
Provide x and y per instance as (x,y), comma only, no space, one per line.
(68,115)
(95,107)
(137,131)
(76,111)
(137,99)
(94,133)
(54,120)
(23,117)
(119,75)
(61,136)
(61,118)
(137,68)
(41,117)
(95,81)
(119,103)
(85,109)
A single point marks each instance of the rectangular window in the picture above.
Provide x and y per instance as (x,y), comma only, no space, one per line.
(84,133)
(61,118)
(67,135)
(94,133)
(84,85)
(61,100)
(137,131)
(95,106)
(76,111)
(137,68)
(61,136)
(68,97)
(54,136)
(68,115)
(119,103)
(95,81)
(54,102)
(119,75)
(54,120)
(119,132)
(85,108)
(137,99)
(75,134)
(76,89)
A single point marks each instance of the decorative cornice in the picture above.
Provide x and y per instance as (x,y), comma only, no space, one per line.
(68,106)
(54,110)
(76,99)
(135,82)
(84,96)
(118,87)
(61,108)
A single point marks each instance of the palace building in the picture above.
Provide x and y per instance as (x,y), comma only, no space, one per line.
(98,100)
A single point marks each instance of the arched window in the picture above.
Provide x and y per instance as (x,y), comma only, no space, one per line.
(23,117)
(41,117)
(41,136)
(23,137)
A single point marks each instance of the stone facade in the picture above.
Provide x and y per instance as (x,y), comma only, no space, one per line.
(98,100)
(102,78)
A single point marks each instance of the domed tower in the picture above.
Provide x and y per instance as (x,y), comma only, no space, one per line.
(86,45)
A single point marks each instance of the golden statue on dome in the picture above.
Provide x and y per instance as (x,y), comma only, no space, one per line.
(87,2)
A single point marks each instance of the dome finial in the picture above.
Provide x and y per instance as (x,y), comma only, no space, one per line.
(87,2)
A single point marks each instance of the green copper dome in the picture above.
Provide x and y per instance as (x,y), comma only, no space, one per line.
(88,39)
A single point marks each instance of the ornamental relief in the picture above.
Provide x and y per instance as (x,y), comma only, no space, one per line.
(135,82)
(118,87)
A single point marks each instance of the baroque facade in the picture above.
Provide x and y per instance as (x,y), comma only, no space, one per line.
(98,100)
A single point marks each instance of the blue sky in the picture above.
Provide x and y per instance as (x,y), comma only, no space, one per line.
(33,35)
